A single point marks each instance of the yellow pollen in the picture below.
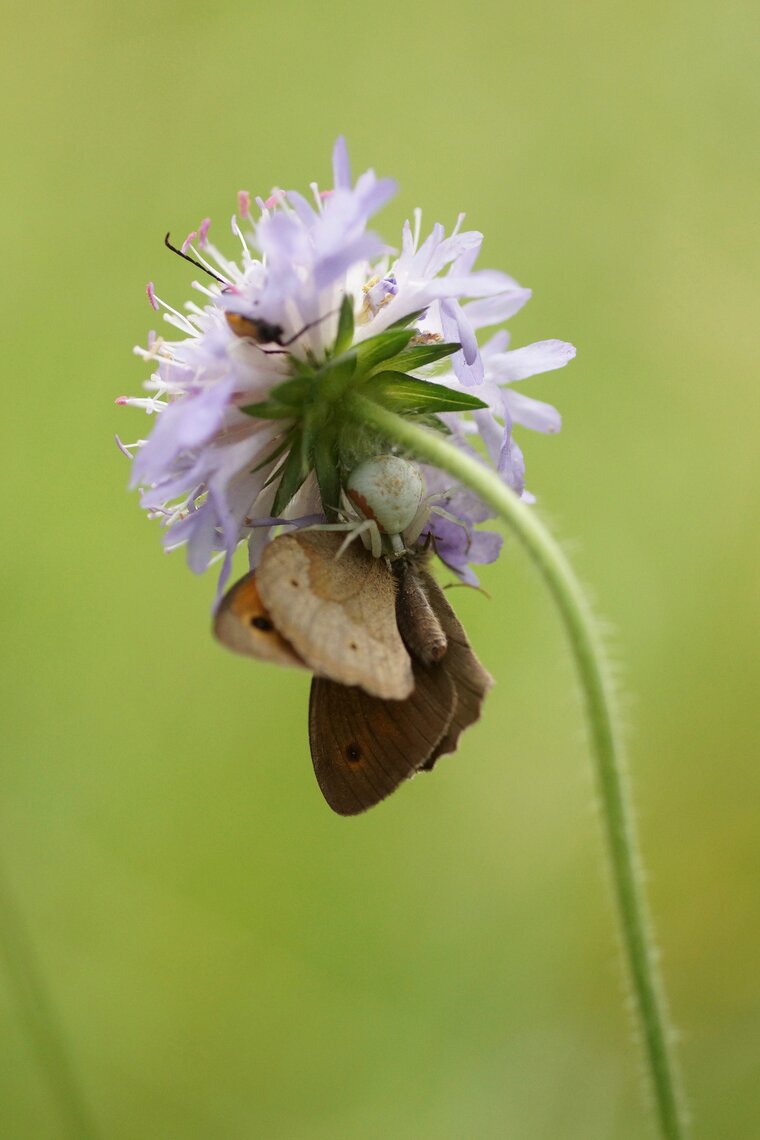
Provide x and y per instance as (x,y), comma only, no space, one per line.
(368,311)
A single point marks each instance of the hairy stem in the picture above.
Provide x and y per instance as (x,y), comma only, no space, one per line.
(605,739)
(36,1008)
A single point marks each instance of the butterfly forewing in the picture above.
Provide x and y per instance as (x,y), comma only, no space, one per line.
(338,613)
(243,624)
(363,747)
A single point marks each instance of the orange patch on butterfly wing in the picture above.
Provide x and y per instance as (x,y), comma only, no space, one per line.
(244,625)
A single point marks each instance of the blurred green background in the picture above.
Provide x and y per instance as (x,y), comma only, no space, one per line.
(227,958)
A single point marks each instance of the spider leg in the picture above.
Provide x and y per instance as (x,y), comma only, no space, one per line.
(359,530)
(418,523)
(453,518)
(366,529)
(376,539)
(330,526)
(428,506)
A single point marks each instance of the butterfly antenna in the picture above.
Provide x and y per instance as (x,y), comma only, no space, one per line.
(193,261)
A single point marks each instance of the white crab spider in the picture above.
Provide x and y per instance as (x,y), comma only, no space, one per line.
(384,504)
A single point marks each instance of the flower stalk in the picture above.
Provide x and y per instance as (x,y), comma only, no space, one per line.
(604,738)
(36,1007)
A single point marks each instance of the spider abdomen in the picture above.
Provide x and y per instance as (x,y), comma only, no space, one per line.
(388,489)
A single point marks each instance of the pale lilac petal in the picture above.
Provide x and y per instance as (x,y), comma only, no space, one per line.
(485,546)
(461,249)
(283,239)
(123,447)
(179,481)
(531,413)
(511,465)
(458,546)
(205,467)
(479,285)
(493,310)
(407,241)
(329,268)
(181,427)
(467,336)
(495,435)
(467,258)
(200,542)
(499,342)
(341,165)
(303,208)
(543,356)
(467,364)
(373,194)
(260,536)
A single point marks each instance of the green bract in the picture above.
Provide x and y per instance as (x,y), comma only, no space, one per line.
(327,433)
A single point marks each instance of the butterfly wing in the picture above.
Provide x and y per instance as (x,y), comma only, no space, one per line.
(341,617)
(470,680)
(244,625)
(363,747)
(338,613)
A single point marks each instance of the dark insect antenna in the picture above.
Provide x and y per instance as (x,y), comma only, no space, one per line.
(251,328)
(193,261)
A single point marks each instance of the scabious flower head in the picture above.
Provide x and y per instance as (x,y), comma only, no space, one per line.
(256,423)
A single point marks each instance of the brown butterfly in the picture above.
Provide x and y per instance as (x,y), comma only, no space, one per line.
(395,679)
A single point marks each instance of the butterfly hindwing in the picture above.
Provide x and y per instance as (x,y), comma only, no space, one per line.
(470,680)
(363,747)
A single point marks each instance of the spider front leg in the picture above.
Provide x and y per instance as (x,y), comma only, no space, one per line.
(466,527)
(368,531)
(365,529)
(419,522)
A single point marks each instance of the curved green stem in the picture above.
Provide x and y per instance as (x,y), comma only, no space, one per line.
(36,1008)
(606,745)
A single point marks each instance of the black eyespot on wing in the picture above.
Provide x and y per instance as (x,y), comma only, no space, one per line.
(262,623)
(363,747)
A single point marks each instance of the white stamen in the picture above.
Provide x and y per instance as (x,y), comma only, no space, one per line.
(212,291)
(172,317)
(417,226)
(238,233)
(314,187)
(221,261)
(150,404)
